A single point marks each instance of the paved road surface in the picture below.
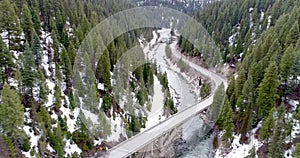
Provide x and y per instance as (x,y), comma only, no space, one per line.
(140,140)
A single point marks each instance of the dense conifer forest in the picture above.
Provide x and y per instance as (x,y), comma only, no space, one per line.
(260,41)
(40,112)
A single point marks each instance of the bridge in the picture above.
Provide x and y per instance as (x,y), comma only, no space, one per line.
(150,138)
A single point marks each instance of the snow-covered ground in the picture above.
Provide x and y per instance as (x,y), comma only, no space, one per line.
(33,140)
(241,150)
(180,88)
(71,148)
(117,129)
(156,113)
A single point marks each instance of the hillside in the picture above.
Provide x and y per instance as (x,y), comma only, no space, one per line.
(186,6)
(50,109)
(65,92)
(260,43)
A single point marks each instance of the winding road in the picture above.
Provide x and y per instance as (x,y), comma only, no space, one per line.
(135,143)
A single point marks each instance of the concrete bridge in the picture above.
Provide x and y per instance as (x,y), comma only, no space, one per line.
(156,137)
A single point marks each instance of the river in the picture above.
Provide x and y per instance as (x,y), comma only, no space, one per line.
(193,144)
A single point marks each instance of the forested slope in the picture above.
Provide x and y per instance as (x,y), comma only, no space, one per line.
(41,113)
(260,41)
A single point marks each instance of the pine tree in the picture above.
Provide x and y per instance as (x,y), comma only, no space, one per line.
(278,137)
(287,61)
(71,53)
(9,22)
(293,35)
(57,96)
(36,49)
(27,23)
(35,16)
(227,122)
(205,90)
(103,70)
(67,67)
(230,92)
(58,142)
(246,115)
(91,101)
(44,91)
(275,52)
(29,71)
(6,62)
(11,112)
(240,82)
(85,24)
(239,46)
(295,68)
(64,39)
(107,103)
(55,45)
(45,120)
(104,125)
(267,91)
(267,127)
(218,101)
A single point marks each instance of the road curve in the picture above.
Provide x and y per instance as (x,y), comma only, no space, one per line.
(137,142)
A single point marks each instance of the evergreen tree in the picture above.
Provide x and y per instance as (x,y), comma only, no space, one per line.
(293,35)
(55,45)
(103,70)
(107,103)
(27,23)
(45,120)
(85,24)
(58,97)
(218,101)
(64,39)
(247,115)
(66,66)
(29,71)
(44,91)
(11,112)
(239,46)
(104,125)
(58,141)
(278,138)
(9,22)
(230,92)
(295,68)
(36,49)
(287,61)
(35,16)
(205,90)
(267,91)
(226,119)
(275,52)
(91,100)
(267,127)
(240,82)
(71,53)
(6,62)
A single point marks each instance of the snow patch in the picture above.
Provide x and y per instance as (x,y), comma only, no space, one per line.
(66,112)
(241,150)
(33,139)
(71,148)
(269,21)
(156,113)
(117,129)
(100,86)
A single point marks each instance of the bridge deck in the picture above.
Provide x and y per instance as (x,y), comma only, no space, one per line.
(140,140)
